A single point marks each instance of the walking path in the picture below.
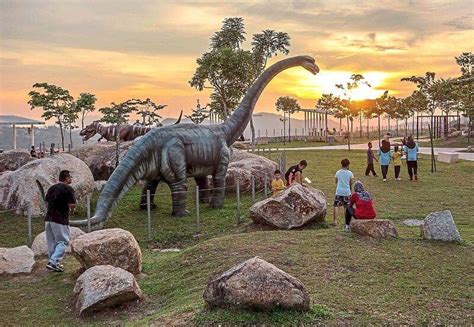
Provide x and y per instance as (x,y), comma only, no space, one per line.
(423,150)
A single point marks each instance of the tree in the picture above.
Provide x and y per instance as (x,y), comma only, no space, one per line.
(69,121)
(466,63)
(198,114)
(118,114)
(55,102)
(85,104)
(289,106)
(231,70)
(148,109)
(329,104)
(381,107)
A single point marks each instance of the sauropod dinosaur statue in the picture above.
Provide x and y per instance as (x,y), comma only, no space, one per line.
(173,153)
(126,132)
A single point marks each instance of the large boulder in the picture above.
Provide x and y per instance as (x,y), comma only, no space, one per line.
(105,286)
(26,186)
(40,247)
(440,226)
(294,207)
(375,228)
(256,284)
(114,246)
(243,166)
(101,157)
(14,159)
(19,260)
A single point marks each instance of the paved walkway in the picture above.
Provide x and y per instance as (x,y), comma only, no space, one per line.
(423,150)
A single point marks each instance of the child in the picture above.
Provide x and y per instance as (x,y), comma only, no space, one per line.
(397,162)
(364,206)
(277,183)
(411,149)
(343,188)
(370,161)
(295,173)
(384,158)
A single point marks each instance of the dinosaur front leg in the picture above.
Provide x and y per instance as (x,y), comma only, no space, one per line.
(203,183)
(178,197)
(150,185)
(218,178)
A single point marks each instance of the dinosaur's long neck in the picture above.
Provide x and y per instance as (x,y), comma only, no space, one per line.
(235,125)
(134,166)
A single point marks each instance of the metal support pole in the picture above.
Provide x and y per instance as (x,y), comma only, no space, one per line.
(29,226)
(148,211)
(252,179)
(237,193)
(265,186)
(198,227)
(88,199)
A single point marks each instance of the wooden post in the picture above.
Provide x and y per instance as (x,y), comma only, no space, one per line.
(198,227)
(88,199)
(237,194)
(29,225)
(148,211)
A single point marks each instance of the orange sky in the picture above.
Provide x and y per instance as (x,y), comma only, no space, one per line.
(123,49)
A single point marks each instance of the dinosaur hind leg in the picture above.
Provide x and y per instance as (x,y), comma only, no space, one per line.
(152,186)
(218,178)
(203,183)
(173,169)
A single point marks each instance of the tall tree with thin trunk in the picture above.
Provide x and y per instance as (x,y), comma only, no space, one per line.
(289,106)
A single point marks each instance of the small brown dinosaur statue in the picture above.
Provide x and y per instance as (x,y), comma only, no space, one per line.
(126,132)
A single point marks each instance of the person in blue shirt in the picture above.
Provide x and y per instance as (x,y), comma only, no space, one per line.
(384,158)
(344,178)
(411,151)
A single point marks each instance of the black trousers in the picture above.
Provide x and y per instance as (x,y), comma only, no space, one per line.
(349,214)
(412,168)
(397,171)
(384,171)
(370,169)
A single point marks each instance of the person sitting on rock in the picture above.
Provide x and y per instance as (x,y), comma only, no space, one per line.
(277,183)
(363,203)
(61,200)
(295,173)
(33,152)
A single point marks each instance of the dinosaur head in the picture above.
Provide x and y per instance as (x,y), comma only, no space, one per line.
(89,131)
(310,65)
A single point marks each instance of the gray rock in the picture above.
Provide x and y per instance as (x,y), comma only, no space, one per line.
(99,185)
(14,159)
(440,226)
(20,189)
(105,286)
(413,222)
(256,284)
(19,260)
(40,247)
(375,228)
(114,246)
(294,207)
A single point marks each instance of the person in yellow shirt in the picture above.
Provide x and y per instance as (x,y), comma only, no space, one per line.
(397,162)
(278,184)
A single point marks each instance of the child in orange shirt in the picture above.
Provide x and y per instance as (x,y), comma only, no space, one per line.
(278,184)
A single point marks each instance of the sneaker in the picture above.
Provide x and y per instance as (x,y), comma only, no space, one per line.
(416,178)
(411,178)
(53,267)
(384,179)
(347,228)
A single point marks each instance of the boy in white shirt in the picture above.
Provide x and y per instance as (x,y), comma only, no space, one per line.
(344,178)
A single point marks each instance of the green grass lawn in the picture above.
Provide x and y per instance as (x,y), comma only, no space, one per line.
(351,280)
(457,142)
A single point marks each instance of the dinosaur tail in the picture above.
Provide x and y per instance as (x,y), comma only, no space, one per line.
(135,165)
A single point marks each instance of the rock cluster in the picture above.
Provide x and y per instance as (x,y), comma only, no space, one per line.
(115,247)
(25,187)
(256,284)
(294,207)
(105,286)
(40,247)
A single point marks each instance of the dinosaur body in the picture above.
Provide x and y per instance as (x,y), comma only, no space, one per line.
(174,153)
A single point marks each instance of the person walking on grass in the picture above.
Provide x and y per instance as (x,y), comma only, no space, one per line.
(295,173)
(344,179)
(61,201)
(370,161)
(411,149)
(397,162)
(384,158)
(364,207)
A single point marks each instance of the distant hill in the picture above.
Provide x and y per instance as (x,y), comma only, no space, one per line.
(265,122)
